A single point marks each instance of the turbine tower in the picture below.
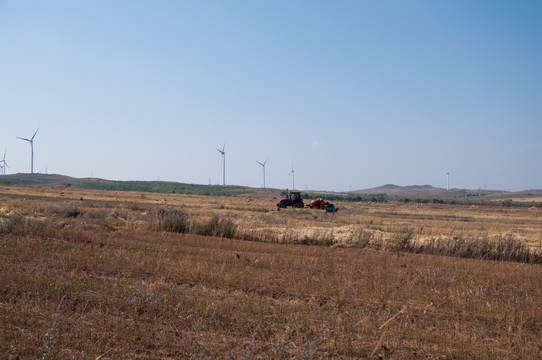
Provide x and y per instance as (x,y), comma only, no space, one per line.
(263,166)
(293,177)
(4,164)
(223,163)
(31,141)
(447,180)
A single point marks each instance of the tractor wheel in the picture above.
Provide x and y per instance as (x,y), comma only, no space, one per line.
(282,205)
(299,204)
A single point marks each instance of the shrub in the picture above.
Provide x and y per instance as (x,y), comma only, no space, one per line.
(64,211)
(360,238)
(318,238)
(173,221)
(506,203)
(207,228)
(137,208)
(227,228)
(12,224)
(403,241)
(18,225)
(326,239)
(215,227)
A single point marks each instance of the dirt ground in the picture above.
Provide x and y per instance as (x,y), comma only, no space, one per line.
(92,274)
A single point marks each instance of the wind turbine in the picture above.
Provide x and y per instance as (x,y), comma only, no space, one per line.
(263,166)
(223,163)
(4,164)
(293,177)
(31,141)
(447,180)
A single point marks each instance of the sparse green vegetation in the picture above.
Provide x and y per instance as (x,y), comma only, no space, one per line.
(164,187)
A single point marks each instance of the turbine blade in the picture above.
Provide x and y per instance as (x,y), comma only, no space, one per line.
(25,139)
(35,134)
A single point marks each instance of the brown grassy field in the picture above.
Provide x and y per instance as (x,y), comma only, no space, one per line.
(89,274)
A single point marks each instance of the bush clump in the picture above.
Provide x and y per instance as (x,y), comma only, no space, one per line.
(12,224)
(173,221)
(501,249)
(178,221)
(67,211)
(215,227)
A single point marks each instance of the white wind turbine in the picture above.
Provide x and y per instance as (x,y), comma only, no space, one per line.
(447,180)
(293,177)
(4,164)
(263,166)
(223,163)
(31,141)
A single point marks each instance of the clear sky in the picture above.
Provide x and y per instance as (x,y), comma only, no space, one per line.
(354,94)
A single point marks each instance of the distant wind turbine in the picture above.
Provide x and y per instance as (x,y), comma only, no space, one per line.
(223,163)
(263,166)
(293,177)
(447,180)
(4,164)
(31,141)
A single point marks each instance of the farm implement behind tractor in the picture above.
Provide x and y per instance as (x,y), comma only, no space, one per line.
(322,205)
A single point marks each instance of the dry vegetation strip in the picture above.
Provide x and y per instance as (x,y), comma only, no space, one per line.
(104,283)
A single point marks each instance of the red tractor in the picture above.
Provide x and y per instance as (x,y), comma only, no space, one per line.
(294,199)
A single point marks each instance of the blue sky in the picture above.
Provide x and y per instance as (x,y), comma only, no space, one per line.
(354,94)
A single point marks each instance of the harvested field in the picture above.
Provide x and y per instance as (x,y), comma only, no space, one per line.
(90,274)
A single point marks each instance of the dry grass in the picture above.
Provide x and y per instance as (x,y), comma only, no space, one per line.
(107,284)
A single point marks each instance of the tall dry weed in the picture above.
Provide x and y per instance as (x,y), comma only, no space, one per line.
(49,341)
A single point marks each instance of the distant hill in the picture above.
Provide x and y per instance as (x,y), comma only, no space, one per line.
(388,190)
(396,190)
(55,180)
(428,191)
(414,190)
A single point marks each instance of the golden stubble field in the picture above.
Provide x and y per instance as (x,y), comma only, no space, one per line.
(89,274)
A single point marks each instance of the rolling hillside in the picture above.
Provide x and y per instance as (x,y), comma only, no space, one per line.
(388,190)
(428,191)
